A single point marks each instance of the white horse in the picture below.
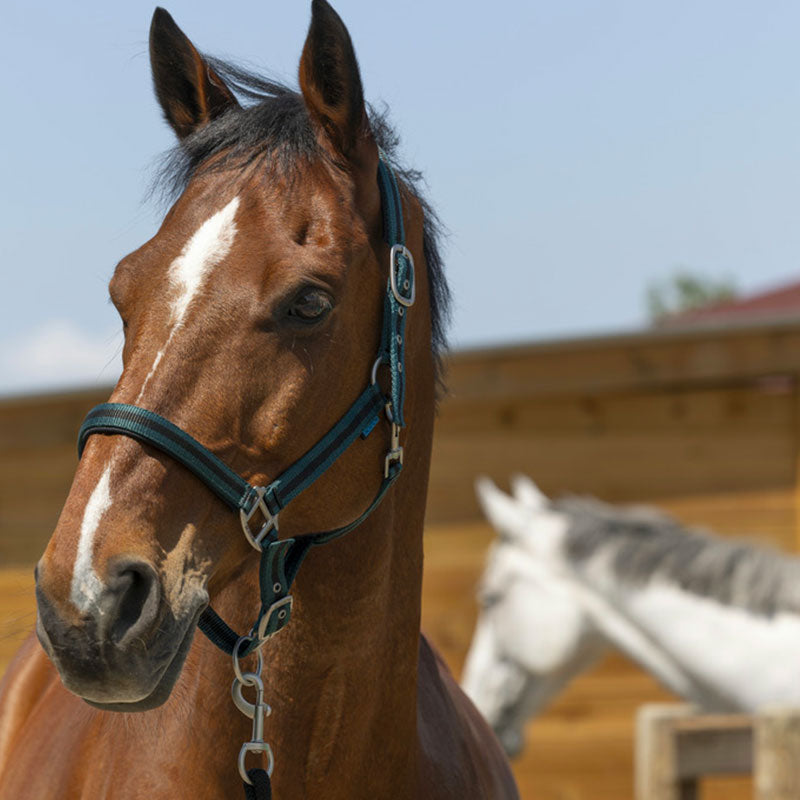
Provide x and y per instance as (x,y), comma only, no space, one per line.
(715,621)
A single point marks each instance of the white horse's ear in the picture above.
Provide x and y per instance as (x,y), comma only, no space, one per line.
(528,493)
(505,514)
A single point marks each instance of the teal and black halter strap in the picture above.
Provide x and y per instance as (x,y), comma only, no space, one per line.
(281,558)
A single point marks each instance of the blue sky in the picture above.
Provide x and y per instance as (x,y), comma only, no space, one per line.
(575,150)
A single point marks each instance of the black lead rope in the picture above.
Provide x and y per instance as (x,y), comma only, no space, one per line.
(260,788)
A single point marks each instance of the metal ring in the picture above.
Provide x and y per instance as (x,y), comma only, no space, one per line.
(237,670)
(374,377)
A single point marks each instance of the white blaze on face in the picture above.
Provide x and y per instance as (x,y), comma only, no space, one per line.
(209,245)
(205,250)
(86,586)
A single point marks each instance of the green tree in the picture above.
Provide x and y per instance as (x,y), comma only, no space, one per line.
(686,291)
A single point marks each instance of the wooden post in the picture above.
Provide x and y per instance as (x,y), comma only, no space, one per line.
(657,776)
(796,446)
(777,755)
(677,747)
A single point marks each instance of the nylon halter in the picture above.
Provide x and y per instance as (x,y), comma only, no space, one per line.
(259,507)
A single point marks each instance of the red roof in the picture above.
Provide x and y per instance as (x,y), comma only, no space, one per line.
(780,302)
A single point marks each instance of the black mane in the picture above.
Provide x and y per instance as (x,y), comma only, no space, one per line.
(273,123)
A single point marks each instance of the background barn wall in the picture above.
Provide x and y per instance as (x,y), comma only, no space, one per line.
(703,423)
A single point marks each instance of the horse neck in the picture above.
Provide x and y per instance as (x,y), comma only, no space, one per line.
(676,620)
(341,677)
(609,611)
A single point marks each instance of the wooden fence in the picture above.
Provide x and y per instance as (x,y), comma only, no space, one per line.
(677,748)
(703,423)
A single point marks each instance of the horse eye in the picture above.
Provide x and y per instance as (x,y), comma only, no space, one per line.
(311,305)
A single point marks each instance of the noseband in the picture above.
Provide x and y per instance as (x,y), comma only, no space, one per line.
(259,506)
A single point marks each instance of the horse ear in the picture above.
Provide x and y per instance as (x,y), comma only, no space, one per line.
(331,85)
(507,516)
(189,91)
(528,493)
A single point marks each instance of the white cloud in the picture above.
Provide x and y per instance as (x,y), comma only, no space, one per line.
(59,354)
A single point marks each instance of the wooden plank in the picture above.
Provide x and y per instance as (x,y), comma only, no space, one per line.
(720,749)
(620,468)
(647,359)
(676,748)
(657,757)
(621,447)
(729,408)
(796,441)
(777,747)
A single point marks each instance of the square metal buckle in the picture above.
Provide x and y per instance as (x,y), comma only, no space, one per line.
(410,284)
(270,523)
(284,605)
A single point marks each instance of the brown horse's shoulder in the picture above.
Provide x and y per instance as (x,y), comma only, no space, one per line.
(21,688)
(459,754)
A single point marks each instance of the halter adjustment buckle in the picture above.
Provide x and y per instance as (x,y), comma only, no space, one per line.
(280,611)
(409,283)
(269,525)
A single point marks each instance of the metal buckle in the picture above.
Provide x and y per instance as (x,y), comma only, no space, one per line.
(410,282)
(270,524)
(395,454)
(262,625)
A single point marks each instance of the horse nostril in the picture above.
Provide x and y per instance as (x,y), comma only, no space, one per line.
(134,593)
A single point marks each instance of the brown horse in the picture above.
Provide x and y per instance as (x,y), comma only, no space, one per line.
(251,321)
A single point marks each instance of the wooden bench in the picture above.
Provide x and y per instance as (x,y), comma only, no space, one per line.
(676,747)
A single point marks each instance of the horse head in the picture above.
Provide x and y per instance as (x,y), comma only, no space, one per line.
(251,321)
(533,634)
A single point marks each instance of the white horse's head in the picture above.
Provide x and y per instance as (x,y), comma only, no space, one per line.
(532,634)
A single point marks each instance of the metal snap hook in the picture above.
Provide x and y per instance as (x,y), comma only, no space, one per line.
(257,712)
(240,701)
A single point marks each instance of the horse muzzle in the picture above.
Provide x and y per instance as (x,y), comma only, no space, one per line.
(126,649)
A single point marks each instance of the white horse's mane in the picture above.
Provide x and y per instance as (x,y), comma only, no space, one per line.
(642,544)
